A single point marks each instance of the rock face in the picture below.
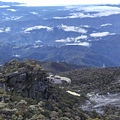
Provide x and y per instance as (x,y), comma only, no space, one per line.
(26,78)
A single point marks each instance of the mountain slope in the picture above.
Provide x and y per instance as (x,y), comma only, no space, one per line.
(84,35)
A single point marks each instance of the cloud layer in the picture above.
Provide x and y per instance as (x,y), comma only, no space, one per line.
(65,2)
(90,12)
(37,27)
(72,28)
(101,34)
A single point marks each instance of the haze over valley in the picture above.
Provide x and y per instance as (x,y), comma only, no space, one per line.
(86,34)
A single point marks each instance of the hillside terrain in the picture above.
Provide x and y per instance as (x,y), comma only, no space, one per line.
(58,67)
(102,86)
(59,62)
(27,93)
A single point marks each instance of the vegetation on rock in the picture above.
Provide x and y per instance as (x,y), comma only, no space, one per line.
(30,96)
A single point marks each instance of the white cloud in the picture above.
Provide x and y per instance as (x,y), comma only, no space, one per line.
(107,24)
(4,6)
(7,29)
(101,34)
(88,15)
(65,2)
(59,17)
(86,44)
(74,41)
(81,37)
(106,13)
(100,11)
(87,26)
(16,55)
(13,18)
(62,41)
(38,41)
(72,28)
(12,10)
(1,31)
(65,40)
(34,13)
(99,8)
(37,27)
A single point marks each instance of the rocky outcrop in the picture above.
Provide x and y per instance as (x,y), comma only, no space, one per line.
(26,78)
(58,79)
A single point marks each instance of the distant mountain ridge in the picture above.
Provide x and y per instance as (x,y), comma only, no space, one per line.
(58,67)
(83,35)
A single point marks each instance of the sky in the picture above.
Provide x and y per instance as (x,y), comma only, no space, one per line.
(63,2)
